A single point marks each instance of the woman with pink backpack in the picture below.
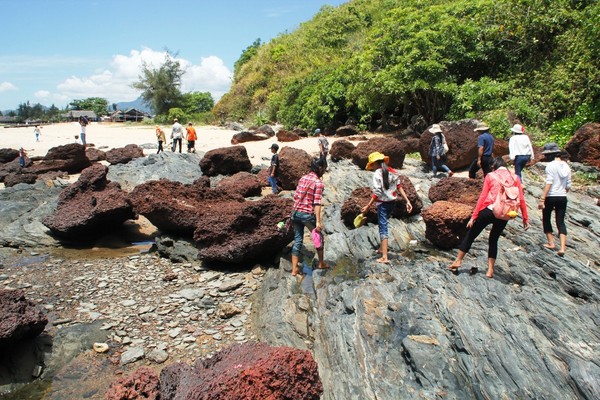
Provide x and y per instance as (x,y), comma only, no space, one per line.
(502,193)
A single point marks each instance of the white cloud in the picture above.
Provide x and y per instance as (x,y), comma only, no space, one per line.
(114,83)
(6,86)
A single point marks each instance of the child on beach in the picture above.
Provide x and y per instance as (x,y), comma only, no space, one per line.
(160,135)
(274,168)
(191,138)
(22,156)
(37,133)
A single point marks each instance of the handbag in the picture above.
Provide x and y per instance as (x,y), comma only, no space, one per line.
(445,144)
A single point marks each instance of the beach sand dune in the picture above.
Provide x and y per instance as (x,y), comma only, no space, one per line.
(106,136)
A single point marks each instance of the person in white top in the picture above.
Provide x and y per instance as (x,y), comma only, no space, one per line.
(520,149)
(176,135)
(554,196)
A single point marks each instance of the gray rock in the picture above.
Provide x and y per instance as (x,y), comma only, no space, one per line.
(191,293)
(230,284)
(132,354)
(158,356)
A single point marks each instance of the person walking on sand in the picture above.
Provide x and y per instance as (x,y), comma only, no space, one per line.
(323,146)
(554,196)
(485,148)
(306,212)
(274,168)
(386,186)
(483,215)
(437,151)
(519,149)
(176,135)
(160,136)
(191,138)
(37,132)
(83,121)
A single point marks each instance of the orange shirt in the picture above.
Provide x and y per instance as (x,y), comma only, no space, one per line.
(191,133)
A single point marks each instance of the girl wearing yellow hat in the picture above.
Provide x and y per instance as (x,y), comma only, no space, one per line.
(386,186)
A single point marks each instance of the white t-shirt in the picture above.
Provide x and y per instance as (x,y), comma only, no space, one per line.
(558,174)
(519,145)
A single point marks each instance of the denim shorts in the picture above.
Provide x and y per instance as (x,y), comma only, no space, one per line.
(384,210)
(301,220)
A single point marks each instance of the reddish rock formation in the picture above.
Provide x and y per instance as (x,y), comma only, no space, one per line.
(242,183)
(446,223)
(95,155)
(7,155)
(243,137)
(173,206)
(584,146)
(457,190)
(461,139)
(89,206)
(19,318)
(70,158)
(293,164)
(360,197)
(341,150)
(143,383)
(235,232)
(265,130)
(16,178)
(122,155)
(245,372)
(287,136)
(13,167)
(225,161)
(389,146)
(410,145)
(346,130)
(300,132)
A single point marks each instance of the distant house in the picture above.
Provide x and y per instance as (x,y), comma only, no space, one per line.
(130,115)
(74,115)
(8,120)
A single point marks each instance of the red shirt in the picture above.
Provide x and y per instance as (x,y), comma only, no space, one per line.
(309,193)
(191,133)
(491,188)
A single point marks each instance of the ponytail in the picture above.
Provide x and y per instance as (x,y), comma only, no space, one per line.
(385,173)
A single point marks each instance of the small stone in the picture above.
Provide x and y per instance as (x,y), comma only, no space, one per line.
(132,355)
(158,356)
(173,333)
(128,303)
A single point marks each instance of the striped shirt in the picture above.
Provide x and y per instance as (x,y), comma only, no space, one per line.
(309,193)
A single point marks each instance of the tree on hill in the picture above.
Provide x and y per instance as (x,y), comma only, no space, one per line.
(96,104)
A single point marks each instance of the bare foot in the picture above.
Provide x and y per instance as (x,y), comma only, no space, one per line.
(489,275)
(383,260)
(549,246)
(323,266)
(561,253)
(295,272)
(454,267)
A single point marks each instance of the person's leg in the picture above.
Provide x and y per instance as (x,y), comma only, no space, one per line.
(546,225)
(473,169)
(520,162)
(483,220)
(160,147)
(497,229)
(180,144)
(561,227)
(486,164)
(297,246)
(273,183)
(384,211)
(434,166)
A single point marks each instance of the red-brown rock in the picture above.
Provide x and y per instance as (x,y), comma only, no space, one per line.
(287,136)
(389,146)
(225,161)
(89,206)
(446,223)
(246,371)
(235,232)
(265,130)
(457,190)
(19,318)
(143,383)
(7,155)
(360,197)
(244,184)
(461,139)
(293,165)
(584,146)
(173,206)
(95,155)
(122,155)
(243,137)
(300,132)
(70,158)
(16,178)
(341,150)
(346,130)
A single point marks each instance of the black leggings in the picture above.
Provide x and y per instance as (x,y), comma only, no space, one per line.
(486,217)
(558,204)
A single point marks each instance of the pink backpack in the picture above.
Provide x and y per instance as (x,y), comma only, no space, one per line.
(507,203)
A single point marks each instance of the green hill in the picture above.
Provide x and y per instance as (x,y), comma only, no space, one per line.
(385,62)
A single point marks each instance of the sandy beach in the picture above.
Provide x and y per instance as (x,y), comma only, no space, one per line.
(106,136)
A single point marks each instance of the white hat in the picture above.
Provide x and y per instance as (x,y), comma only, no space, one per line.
(481,126)
(435,128)
(517,128)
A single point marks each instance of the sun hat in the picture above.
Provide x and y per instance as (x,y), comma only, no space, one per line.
(317,238)
(517,128)
(435,128)
(274,146)
(376,156)
(317,131)
(481,126)
(550,148)
(174,119)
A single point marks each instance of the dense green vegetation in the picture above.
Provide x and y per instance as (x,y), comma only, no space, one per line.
(386,62)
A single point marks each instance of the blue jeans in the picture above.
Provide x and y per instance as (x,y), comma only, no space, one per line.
(273,183)
(520,163)
(384,210)
(82,135)
(441,163)
(301,220)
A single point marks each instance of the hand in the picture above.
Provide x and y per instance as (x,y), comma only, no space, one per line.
(525,225)
(409,206)
(541,205)
(364,209)
(479,163)
(438,157)
(470,223)
(319,226)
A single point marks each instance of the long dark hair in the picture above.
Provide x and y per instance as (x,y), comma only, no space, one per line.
(317,166)
(385,173)
(498,163)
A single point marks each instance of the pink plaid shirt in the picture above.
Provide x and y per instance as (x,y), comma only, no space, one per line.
(309,193)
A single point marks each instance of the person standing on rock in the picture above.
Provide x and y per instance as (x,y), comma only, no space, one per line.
(83,121)
(554,196)
(274,168)
(485,148)
(160,136)
(323,146)
(306,212)
(386,186)
(483,215)
(437,151)
(22,155)
(519,149)
(176,135)
(191,138)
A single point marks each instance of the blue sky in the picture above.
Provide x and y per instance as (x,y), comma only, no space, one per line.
(55,51)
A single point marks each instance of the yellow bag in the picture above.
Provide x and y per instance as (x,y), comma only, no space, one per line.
(360,220)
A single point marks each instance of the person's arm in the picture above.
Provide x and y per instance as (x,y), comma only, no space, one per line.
(479,155)
(318,209)
(409,206)
(481,201)
(523,205)
(377,191)
(511,148)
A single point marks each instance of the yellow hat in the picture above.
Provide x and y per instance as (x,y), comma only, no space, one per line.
(376,156)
